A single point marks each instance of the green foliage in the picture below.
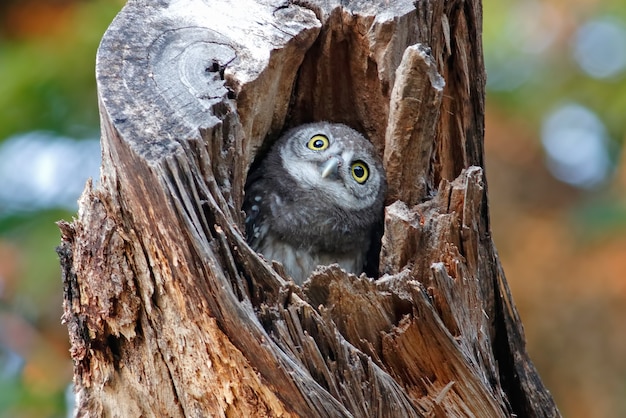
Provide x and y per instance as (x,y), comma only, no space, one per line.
(550,76)
(599,217)
(49,84)
(18,400)
(35,236)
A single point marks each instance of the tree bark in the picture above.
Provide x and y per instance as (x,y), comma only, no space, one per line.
(170,313)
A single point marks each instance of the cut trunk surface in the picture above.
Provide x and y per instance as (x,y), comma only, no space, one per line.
(170,313)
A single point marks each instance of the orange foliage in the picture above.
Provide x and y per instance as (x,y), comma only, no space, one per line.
(36,19)
(569,285)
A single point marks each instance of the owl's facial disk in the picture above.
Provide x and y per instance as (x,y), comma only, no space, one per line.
(340,165)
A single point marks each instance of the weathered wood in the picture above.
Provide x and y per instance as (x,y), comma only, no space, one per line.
(416,97)
(170,313)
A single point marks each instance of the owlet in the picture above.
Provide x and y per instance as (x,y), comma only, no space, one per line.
(316,199)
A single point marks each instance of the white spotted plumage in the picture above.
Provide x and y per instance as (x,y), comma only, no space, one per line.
(306,206)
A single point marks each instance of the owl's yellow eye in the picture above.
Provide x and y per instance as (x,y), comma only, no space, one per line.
(318,143)
(360,172)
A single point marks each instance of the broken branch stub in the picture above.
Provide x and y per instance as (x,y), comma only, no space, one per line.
(415,106)
(170,313)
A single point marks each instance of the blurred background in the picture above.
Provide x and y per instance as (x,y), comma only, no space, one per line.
(555,164)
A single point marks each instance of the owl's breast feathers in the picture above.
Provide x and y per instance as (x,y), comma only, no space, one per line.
(294,227)
(303,217)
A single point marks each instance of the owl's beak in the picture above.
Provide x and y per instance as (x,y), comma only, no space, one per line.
(330,167)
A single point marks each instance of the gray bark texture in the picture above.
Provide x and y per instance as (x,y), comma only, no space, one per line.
(171,314)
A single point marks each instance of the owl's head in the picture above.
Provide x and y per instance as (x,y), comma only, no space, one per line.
(335,160)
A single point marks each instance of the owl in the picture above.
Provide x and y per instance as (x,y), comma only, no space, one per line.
(316,199)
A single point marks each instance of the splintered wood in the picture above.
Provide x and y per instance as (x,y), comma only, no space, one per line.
(170,313)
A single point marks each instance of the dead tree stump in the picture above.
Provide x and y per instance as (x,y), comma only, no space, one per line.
(170,313)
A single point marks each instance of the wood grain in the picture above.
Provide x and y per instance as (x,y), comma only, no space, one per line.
(170,313)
